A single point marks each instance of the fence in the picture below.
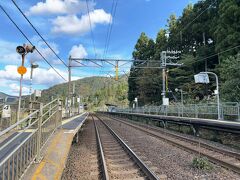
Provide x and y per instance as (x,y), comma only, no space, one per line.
(32,132)
(6,122)
(228,111)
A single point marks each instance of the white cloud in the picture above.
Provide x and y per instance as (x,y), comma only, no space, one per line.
(14,89)
(71,24)
(8,54)
(47,77)
(60,7)
(78,51)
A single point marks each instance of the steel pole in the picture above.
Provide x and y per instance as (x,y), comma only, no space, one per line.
(217,92)
(182,100)
(20,92)
(30,89)
(69,86)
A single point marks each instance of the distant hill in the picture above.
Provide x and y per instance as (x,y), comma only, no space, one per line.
(8,98)
(95,91)
(3,95)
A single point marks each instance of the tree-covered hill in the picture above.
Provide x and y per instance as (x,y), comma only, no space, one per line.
(95,91)
(208,36)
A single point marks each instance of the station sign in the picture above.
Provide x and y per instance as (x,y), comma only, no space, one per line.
(201,78)
(6,113)
(165,101)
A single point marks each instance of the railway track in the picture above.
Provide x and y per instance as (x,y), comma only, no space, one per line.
(217,155)
(117,160)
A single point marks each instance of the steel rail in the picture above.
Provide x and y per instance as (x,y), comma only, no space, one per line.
(102,157)
(187,139)
(234,167)
(146,170)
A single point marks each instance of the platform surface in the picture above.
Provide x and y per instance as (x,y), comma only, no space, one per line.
(56,151)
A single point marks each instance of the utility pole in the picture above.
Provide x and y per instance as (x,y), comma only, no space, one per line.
(69,87)
(163,64)
(73,96)
(167,61)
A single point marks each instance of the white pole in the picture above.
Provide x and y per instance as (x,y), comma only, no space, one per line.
(182,100)
(217,92)
(20,99)
(20,92)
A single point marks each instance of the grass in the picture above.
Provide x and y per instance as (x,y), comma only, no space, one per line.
(202,163)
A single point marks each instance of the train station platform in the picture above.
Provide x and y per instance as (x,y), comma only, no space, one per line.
(56,151)
(223,125)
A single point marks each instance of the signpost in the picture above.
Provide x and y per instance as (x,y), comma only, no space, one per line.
(6,113)
(22,50)
(203,78)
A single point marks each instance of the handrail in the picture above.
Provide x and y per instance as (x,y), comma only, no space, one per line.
(34,141)
(1,163)
(50,103)
(18,123)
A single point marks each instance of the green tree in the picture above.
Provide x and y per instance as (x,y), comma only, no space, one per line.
(230,75)
(227,30)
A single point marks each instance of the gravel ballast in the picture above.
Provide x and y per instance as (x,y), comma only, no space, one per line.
(82,163)
(172,161)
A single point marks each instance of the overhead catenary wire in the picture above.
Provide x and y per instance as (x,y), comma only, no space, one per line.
(38,33)
(198,16)
(113,13)
(90,24)
(111,27)
(216,54)
(25,36)
(108,29)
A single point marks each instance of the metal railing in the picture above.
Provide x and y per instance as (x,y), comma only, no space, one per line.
(229,111)
(32,132)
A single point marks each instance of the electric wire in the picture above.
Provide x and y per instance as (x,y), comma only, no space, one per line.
(38,33)
(216,54)
(90,23)
(108,29)
(198,16)
(25,36)
(110,32)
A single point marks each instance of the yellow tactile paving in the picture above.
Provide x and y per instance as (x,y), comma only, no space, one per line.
(55,156)
(54,159)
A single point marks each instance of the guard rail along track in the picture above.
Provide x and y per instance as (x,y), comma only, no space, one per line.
(223,157)
(109,143)
(27,137)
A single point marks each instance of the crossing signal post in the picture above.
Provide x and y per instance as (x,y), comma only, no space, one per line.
(22,50)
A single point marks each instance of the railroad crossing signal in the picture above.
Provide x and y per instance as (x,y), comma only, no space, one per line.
(20,50)
(22,70)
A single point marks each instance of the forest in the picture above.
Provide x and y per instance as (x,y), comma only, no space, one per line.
(208,36)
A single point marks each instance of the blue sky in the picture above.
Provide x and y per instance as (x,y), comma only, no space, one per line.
(65,25)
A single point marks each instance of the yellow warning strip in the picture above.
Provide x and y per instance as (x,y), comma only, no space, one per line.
(52,148)
(59,166)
